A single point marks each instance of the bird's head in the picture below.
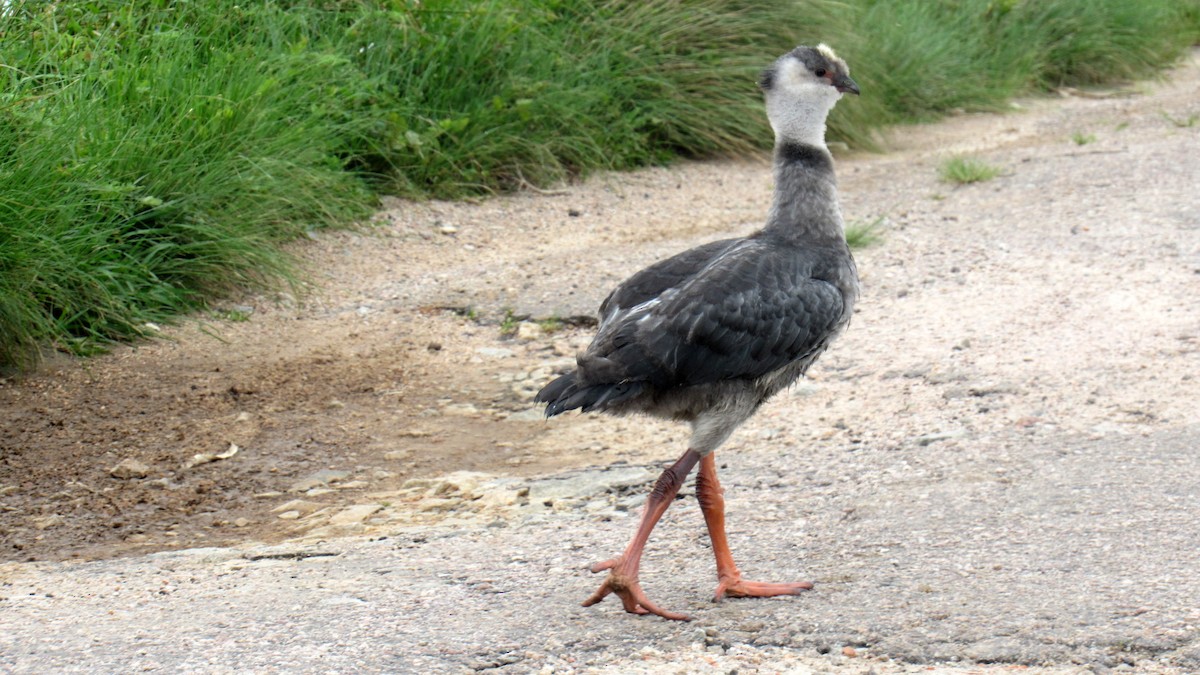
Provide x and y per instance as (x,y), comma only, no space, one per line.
(801,87)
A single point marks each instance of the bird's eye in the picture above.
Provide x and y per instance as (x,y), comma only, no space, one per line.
(819,72)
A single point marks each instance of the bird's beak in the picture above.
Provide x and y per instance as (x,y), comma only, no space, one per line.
(844,84)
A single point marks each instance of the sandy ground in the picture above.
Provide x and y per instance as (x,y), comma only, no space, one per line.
(995,467)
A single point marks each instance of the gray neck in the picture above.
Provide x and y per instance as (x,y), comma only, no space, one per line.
(805,205)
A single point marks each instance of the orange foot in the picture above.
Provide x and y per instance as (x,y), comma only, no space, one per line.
(734,587)
(624,584)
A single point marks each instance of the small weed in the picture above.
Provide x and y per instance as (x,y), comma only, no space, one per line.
(1081,138)
(231,315)
(1122,126)
(508,325)
(551,325)
(937,196)
(861,234)
(1181,122)
(965,170)
(469,313)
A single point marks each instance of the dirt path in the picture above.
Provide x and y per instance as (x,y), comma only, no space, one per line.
(1013,407)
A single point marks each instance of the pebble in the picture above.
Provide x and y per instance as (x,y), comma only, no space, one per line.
(353,515)
(495,352)
(129,468)
(461,410)
(300,506)
(318,479)
(527,415)
(941,436)
(527,330)
(47,522)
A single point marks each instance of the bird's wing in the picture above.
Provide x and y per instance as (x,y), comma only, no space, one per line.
(663,275)
(751,311)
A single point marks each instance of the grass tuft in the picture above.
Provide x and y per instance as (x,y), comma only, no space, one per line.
(966,170)
(864,233)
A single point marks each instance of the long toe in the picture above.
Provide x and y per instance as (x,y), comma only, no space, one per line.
(630,592)
(737,587)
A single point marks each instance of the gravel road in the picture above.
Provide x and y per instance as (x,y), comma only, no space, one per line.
(996,469)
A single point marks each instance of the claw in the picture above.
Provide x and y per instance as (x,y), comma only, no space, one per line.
(627,588)
(736,587)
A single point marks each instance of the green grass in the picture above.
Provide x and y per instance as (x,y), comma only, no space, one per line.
(966,170)
(864,233)
(141,176)
(155,156)
(1080,138)
(1182,122)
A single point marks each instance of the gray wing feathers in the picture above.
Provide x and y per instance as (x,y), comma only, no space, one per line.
(652,281)
(750,310)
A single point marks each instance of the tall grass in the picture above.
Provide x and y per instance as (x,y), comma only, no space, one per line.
(151,161)
(155,155)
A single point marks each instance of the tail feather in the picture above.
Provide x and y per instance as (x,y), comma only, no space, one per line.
(564,393)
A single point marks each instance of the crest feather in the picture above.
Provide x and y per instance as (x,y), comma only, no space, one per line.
(828,53)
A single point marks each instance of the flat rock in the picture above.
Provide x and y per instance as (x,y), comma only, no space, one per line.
(527,415)
(318,479)
(353,515)
(129,468)
(300,506)
(585,484)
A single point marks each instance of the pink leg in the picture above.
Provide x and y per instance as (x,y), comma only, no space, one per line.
(729,578)
(623,570)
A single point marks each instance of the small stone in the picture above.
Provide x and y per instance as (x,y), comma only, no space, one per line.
(942,436)
(395,455)
(129,468)
(527,415)
(300,506)
(241,522)
(353,515)
(849,651)
(498,497)
(318,479)
(47,522)
(289,515)
(440,504)
(527,330)
(448,229)
(495,352)
(243,417)
(7,489)
(460,410)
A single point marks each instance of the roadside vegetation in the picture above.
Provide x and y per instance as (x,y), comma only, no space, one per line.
(966,170)
(155,156)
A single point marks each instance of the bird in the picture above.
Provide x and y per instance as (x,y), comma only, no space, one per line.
(710,334)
